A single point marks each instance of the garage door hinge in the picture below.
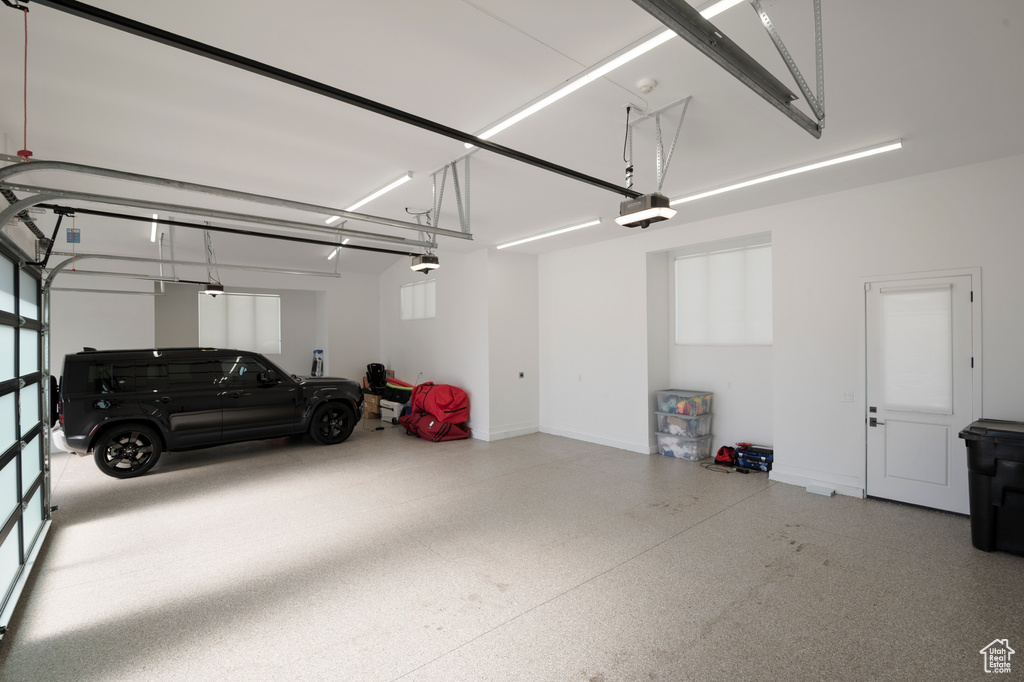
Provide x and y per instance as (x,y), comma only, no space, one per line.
(972,297)
(972,363)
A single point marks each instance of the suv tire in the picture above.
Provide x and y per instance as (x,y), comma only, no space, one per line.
(332,423)
(127,450)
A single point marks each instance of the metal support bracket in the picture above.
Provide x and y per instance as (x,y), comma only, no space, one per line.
(461,201)
(662,158)
(687,22)
(816,102)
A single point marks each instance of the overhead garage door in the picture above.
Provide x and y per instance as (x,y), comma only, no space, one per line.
(24,479)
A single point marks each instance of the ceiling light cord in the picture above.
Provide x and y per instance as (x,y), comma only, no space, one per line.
(628,142)
(24,152)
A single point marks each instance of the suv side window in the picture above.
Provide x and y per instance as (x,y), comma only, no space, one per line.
(105,377)
(241,370)
(163,375)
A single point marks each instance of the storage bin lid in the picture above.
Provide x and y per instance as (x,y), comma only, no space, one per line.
(995,429)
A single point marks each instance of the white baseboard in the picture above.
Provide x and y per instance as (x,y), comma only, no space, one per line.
(643,448)
(820,479)
(513,432)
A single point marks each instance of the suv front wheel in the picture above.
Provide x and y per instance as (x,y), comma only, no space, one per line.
(127,450)
(332,423)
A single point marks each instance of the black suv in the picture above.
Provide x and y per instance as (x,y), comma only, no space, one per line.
(128,406)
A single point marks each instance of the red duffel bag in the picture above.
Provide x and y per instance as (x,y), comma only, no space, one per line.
(448,404)
(428,427)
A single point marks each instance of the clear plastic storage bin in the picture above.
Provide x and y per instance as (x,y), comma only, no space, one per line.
(693,449)
(691,426)
(684,402)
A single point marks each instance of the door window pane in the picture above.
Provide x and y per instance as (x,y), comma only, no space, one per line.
(29,297)
(29,407)
(6,285)
(917,349)
(29,352)
(8,490)
(9,560)
(6,353)
(32,518)
(8,421)
(31,462)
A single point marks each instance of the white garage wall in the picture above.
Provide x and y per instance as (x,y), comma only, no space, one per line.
(594,330)
(513,344)
(86,319)
(450,348)
(485,333)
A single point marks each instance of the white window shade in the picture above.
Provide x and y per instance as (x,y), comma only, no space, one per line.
(419,300)
(244,321)
(917,361)
(725,297)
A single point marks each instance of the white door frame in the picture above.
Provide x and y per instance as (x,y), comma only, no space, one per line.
(976,347)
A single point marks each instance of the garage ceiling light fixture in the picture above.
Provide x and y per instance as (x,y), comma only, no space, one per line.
(152,231)
(642,211)
(597,72)
(213,289)
(853,156)
(406,177)
(590,223)
(425,263)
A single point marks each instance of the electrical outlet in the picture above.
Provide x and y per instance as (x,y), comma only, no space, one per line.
(728,385)
(847,396)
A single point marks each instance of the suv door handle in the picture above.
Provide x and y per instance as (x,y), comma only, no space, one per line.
(236,394)
(164,400)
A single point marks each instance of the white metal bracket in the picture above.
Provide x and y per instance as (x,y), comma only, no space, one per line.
(461,202)
(662,158)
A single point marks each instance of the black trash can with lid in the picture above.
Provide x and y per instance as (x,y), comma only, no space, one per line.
(995,466)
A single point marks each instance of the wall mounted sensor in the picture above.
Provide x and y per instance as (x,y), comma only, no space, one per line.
(644,210)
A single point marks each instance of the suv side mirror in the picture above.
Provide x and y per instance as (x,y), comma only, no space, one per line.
(268,377)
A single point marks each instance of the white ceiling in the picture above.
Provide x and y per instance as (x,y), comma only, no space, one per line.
(943,75)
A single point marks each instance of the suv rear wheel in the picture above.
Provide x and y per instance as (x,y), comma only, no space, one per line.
(127,450)
(332,423)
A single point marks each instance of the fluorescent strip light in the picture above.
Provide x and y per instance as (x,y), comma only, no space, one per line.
(881,149)
(152,232)
(336,250)
(578,83)
(552,234)
(374,195)
(719,7)
(598,72)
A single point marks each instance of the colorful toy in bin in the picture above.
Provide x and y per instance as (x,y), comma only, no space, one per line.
(684,402)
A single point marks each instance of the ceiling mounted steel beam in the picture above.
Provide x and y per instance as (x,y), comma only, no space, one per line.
(687,22)
(72,257)
(137,28)
(48,194)
(213,228)
(38,166)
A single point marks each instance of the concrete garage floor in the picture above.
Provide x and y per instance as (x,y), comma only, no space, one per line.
(535,558)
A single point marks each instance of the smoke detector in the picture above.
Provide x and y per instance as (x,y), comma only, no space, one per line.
(646,85)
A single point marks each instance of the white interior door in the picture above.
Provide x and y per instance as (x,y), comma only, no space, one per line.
(920,390)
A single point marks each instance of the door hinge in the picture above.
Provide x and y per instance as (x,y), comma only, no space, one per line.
(972,297)
(972,363)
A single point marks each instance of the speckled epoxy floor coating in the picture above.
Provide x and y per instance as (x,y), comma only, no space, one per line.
(534,558)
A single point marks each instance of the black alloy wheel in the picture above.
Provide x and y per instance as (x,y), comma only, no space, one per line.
(332,423)
(128,450)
